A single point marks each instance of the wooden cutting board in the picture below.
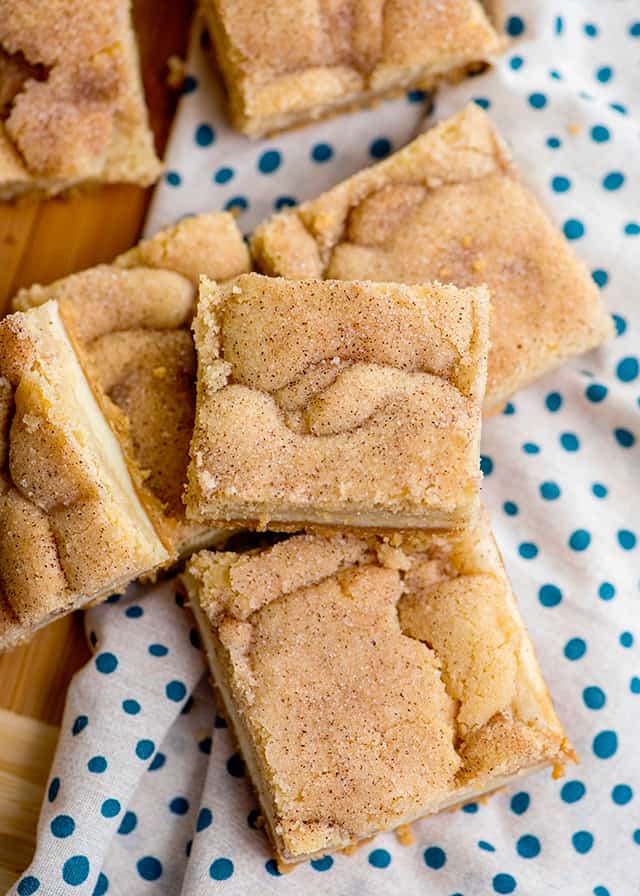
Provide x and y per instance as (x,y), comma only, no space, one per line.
(40,242)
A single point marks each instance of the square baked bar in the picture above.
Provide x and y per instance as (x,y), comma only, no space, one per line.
(289,61)
(72,109)
(337,404)
(97,401)
(450,206)
(399,669)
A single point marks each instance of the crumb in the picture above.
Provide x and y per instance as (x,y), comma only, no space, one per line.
(176,72)
(404,833)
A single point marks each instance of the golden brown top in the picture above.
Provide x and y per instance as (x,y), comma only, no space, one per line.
(323,396)
(71,100)
(450,207)
(401,671)
(283,60)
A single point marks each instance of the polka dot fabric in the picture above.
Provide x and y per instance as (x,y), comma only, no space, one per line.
(561,466)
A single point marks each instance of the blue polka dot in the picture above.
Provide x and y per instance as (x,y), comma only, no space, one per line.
(128,823)
(632,228)
(486,464)
(619,108)
(520,802)
(205,819)
(176,691)
(236,202)
(575,649)
(416,96)
(134,612)
(379,858)
(582,841)
(509,409)
(131,707)
(380,148)
(573,229)
(553,402)
(173,178)
(620,324)
(613,181)
(624,437)
(144,748)
(510,508)
(600,133)
(482,101)
(272,867)
(235,765)
(158,650)
(189,85)
(79,725)
(515,26)
(110,808)
(486,846)
(636,836)
(157,762)
(516,62)
(627,539)
(28,885)
(590,29)
(149,868)
(54,789)
(322,864)
(504,883)
(569,441)
(605,744)
(634,685)
(528,550)
(75,870)
(553,73)
(626,639)
(604,74)
(179,805)
(205,135)
(253,818)
(600,277)
(572,791)
(269,161)
(601,891)
(634,29)
(188,706)
(594,697)
(596,392)
(554,142)
(537,100)
(606,591)
(204,745)
(579,540)
(223,175)
(549,595)
(435,857)
(97,764)
(622,794)
(62,826)
(550,491)
(628,369)
(559,25)
(470,808)
(106,663)
(114,599)
(102,885)
(531,448)
(222,869)
(560,183)
(322,152)
(284,202)
(528,846)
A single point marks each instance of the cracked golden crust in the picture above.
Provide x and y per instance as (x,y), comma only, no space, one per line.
(74,110)
(125,328)
(291,62)
(399,668)
(338,403)
(450,206)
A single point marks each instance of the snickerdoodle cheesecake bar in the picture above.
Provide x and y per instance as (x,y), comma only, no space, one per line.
(451,206)
(371,681)
(72,108)
(292,61)
(340,404)
(97,402)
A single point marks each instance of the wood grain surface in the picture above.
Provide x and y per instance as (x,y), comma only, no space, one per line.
(40,242)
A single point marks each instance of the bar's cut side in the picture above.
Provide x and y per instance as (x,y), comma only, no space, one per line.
(337,404)
(122,332)
(450,206)
(400,670)
(289,62)
(72,109)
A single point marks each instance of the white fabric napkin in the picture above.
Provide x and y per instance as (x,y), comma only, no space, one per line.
(562,468)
